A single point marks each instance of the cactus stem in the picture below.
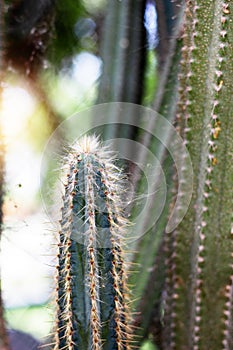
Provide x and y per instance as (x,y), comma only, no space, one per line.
(203,121)
(227,341)
(227,318)
(213,128)
(91,283)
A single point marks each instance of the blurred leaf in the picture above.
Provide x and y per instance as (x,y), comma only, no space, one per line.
(147,345)
(35,320)
(65,42)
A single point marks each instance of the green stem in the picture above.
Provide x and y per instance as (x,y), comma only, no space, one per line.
(199,277)
(92,309)
(123,54)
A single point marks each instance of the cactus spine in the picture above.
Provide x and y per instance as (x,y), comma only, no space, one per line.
(91,278)
(199,280)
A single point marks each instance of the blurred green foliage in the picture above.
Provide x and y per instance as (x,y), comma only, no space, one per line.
(64,42)
(35,319)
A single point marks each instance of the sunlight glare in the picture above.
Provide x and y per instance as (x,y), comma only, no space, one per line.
(86,69)
(17,107)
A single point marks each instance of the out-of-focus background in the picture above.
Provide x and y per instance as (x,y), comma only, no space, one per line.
(52,69)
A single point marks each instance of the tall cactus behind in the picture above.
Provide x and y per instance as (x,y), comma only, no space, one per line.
(91,280)
(198,298)
(124,59)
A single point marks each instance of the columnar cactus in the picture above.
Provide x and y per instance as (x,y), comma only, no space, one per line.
(124,56)
(198,298)
(91,280)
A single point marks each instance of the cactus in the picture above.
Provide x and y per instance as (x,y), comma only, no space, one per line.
(91,280)
(149,253)
(198,298)
(124,58)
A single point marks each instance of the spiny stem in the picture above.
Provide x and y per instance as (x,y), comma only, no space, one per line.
(91,283)
(201,247)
